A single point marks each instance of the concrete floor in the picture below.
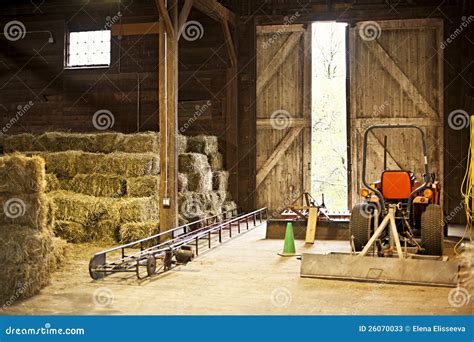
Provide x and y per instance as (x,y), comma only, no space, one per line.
(244,277)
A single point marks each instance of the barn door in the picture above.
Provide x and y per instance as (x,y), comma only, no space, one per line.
(283,114)
(396,77)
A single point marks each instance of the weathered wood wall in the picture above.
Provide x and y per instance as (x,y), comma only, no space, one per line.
(458,71)
(32,69)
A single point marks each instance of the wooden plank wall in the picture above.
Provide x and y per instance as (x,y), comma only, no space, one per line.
(32,69)
(458,69)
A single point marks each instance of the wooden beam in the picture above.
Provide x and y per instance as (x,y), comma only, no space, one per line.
(277,154)
(230,44)
(137,29)
(271,29)
(183,17)
(168,104)
(165,17)
(216,11)
(293,122)
(277,61)
(405,83)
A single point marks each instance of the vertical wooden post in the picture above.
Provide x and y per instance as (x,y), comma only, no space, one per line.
(168,102)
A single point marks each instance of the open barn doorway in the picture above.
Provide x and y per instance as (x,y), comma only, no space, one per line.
(329,170)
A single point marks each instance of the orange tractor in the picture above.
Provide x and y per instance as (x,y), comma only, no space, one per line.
(396,232)
(414,206)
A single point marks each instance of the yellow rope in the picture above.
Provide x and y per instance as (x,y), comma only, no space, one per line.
(466,190)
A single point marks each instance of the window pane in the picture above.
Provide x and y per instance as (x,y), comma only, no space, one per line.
(89,48)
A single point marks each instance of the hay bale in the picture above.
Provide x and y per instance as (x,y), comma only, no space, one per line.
(103,231)
(107,142)
(21,244)
(20,174)
(192,162)
(182,144)
(133,231)
(220,180)
(24,254)
(18,143)
(70,231)
(143,186)
(70,163)
(52,183)
(98,185)
(229,205)
(119,163)
(191,205)
(63,141)
(61,164)
(84,209)
(136,209)
(216,161)
(182,182)
(24,209)
(58,253)
(140,143)
(200,181)
(205,144)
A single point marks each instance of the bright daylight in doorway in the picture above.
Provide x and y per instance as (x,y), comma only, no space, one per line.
(329,114)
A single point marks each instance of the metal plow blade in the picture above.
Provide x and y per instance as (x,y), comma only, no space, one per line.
(377,269)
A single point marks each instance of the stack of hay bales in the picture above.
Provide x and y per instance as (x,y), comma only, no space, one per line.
(105,186)
(29,252)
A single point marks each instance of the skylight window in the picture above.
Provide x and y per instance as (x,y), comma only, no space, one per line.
(88,49)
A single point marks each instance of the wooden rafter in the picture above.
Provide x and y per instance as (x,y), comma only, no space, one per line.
(183,16)
(165,16)
(137,29)
(406,84)
(277,154)
(230,44)
(216,11)
(277,61)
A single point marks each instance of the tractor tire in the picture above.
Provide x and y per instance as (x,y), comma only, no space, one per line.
(359,226)
(432,230)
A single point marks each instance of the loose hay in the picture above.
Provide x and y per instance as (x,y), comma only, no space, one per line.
(20,174)
(98,185)
(143,186)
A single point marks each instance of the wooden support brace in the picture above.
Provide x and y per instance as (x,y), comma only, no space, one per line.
(164,15)
(183,16)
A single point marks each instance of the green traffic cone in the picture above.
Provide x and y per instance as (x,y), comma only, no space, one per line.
(289,248)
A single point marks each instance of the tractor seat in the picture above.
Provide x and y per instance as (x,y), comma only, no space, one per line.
(397,185)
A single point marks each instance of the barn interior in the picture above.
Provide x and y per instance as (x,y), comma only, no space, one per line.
(204,157)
